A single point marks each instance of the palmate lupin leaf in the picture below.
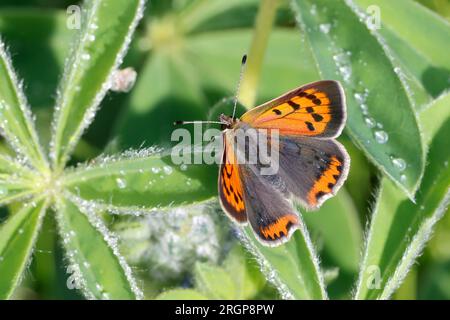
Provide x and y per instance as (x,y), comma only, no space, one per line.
(97,266)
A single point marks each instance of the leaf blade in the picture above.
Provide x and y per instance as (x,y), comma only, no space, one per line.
(395,240)
(14,253)
(293,268)
(142,181)
(15,116)
(102,44)
(95,262)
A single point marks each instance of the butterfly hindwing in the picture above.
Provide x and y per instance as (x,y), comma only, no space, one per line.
(230,184)
(271,216)
(312,170)
(315,110)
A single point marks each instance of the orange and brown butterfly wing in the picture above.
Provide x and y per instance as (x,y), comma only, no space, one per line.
(230,185)
(271,216)
(312,170)
(315,110)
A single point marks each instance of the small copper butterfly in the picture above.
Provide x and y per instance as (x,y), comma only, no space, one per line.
(312,164)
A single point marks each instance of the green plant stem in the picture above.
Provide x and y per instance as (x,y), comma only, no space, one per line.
(263,25)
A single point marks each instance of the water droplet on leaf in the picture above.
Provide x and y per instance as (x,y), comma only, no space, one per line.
(381,136)
(121,183)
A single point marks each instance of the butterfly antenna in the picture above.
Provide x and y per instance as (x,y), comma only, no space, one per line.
(243,63)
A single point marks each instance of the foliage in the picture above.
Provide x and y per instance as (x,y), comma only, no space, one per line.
(62,168)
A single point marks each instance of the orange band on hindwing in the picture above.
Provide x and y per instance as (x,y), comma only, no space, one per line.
(280,228)
(326,181)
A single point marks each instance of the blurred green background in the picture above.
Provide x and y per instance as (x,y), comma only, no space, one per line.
(187,61)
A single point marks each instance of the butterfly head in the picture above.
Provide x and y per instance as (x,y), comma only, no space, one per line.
(227,122)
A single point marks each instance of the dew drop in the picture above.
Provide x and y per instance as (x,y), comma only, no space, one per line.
(399,163)
(370,122)
(403,178)
(85,56)
(168,170)
(121,183)
(20,230)
(325,28)
(381,136)
(364,109)
(183,167)
(156,170)
(105,296)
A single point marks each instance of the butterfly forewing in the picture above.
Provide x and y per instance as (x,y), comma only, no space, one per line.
(315,110)
(230,184)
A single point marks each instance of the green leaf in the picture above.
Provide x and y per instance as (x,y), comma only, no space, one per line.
(181,294)
(16,180)
(400,228)
(293,268)
(15,116)
(141,181)
(346,50)
(339,229)
(17,237)
(420,53)
(214,282)
(95,264)
(434,116)
(105,34)
(244,272)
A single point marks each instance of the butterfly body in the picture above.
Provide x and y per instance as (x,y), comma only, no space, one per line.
(312,165)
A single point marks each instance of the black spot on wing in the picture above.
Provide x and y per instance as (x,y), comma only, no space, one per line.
(317,117)
(276,111)
(310,126)
(294,105)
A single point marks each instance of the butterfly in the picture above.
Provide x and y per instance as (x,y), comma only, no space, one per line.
(312,164)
